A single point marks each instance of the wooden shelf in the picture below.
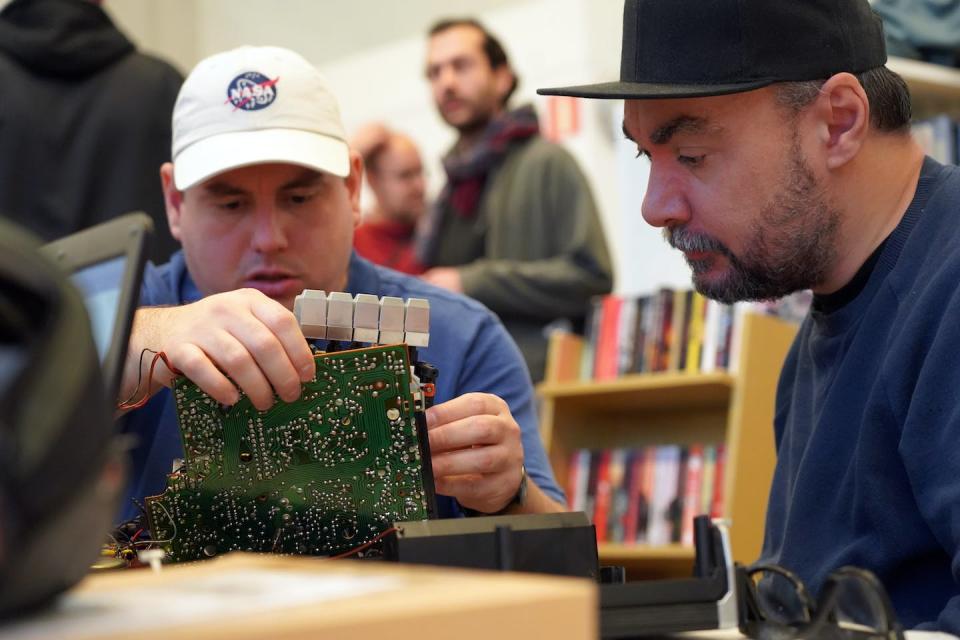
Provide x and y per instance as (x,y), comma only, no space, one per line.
(733,409)
(934,88)
(643,391)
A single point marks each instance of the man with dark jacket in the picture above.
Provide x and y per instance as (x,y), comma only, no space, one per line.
(84,121)
(781,159)
(516,226)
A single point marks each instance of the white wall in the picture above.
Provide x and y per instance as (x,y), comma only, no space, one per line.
(372,51)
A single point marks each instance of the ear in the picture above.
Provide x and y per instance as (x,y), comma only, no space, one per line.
(503,78)
(172,199)
(844,113)
(353,183)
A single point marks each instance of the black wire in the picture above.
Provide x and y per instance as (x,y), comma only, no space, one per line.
(139,505)
(139,382)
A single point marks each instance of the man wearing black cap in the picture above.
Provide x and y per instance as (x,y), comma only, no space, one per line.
(781,160)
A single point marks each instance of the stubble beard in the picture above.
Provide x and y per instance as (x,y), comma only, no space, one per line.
(475,124)
(792,245)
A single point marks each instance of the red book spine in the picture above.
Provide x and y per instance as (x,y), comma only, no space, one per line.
(634,487)
(717,506)
(602,507)
(607,356)
(691,498)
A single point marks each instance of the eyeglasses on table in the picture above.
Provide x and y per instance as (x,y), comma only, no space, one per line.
(853,604)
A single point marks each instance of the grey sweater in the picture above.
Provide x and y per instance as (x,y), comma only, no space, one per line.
(535,251)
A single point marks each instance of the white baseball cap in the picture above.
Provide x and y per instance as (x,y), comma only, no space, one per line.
(254,105)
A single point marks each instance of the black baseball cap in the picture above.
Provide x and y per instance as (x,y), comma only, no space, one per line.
(694,48)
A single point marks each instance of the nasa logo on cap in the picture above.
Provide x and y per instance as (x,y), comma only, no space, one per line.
(251,91)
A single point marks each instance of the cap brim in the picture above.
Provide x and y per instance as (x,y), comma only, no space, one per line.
(216,154)
(643,90)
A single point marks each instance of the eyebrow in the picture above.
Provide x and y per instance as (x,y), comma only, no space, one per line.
(680,124)
(219,188)
(309,178)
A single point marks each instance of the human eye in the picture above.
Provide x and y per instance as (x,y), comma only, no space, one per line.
(462,64)
(300,197)
(229,205)
(642,153)
(691,161)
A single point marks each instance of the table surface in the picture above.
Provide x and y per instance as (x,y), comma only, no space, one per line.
(245,596)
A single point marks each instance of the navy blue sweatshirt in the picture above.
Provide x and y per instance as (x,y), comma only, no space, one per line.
(868,420)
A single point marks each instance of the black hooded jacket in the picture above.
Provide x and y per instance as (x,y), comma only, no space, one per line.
(84,120)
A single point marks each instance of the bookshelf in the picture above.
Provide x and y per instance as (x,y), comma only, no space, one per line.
(934,88)
(735,409)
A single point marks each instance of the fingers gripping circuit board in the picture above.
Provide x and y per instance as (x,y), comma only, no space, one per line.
(319,476)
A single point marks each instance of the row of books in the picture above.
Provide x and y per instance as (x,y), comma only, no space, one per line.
(675,330)
(671,330)
(938,136)
(648,495)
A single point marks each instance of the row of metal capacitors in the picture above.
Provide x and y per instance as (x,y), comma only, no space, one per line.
(364,318)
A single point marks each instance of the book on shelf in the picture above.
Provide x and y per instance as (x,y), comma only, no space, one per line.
(692,489)
(565,351)
(606,354)
(617,504)
(601,505)
(659,531)
(591,333)
(579,477)
(719,471)
(647,495)
(678,340)
(695,332)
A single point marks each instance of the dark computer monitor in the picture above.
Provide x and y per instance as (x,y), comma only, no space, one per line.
(106,262)
(62,459)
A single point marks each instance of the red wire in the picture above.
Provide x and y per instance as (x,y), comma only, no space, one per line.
(127,404)
(363,546)
(136,535)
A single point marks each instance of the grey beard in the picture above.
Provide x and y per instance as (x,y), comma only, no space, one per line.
(791,246)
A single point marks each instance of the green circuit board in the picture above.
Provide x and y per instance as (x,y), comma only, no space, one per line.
(319,476)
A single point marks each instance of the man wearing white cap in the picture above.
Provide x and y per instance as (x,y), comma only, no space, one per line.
(263,194)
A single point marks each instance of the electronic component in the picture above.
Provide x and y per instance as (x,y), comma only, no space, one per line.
(322,475)
(365,318)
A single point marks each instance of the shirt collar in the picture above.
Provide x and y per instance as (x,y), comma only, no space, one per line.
(362,276)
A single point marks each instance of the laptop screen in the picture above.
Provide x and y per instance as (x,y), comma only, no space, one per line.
(106,263)
(100,285)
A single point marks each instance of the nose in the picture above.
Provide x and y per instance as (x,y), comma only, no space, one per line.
(419,185)
(269,233)
(665,203)
(445,81)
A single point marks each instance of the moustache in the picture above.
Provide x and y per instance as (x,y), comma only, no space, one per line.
(682,240)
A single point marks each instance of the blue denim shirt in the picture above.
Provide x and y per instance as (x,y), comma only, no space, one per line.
(468,345)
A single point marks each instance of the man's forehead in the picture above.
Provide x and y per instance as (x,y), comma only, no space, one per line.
(657,121)
(456,40)
(281,175)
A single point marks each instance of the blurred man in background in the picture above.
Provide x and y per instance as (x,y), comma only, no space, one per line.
(516,226)
(84,121)
(395,174)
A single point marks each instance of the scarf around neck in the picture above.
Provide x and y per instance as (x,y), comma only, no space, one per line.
(467,172)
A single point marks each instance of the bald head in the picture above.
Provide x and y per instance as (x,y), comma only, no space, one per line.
(395,173)
(391,142)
